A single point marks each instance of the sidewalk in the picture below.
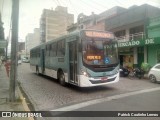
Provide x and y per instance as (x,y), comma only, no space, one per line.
(5,105)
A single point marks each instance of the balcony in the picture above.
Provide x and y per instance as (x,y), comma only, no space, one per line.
(130,37)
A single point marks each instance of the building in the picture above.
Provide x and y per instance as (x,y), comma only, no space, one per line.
(2,41)
(130,28)
(29,45)
(94,21)
(99,22)
(32,40)
(21,49)
(72,28)
(21,46)
(154,39)
(53,23)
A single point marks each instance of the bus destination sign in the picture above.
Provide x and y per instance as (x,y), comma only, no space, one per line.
(99,34)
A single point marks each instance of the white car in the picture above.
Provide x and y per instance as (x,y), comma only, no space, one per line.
(25,60)
(154,73)
(19,62)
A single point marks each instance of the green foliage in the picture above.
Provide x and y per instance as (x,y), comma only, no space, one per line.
(145,66)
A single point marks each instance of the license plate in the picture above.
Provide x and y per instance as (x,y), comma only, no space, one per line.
(104,78)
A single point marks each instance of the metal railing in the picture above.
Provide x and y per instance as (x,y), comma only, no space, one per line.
(136,36)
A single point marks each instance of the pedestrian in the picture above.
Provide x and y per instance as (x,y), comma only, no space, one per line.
(7,66)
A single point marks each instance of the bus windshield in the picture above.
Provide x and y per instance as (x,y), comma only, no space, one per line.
(99,51)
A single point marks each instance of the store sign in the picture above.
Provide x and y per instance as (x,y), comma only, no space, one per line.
(99,34)
(149,41)
(128,43)
(134,43)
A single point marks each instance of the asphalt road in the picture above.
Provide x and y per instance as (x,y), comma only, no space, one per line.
(47,94)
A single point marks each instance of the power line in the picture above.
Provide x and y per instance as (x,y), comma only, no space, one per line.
(84,2)
(63,3)
(73,7)
(100,4)
(58,2)
(55,2)
(117,1)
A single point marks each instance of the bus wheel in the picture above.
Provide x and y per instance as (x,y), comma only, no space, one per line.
(62,78)
(37,71)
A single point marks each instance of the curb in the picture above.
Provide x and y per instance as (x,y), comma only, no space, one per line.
(24,103)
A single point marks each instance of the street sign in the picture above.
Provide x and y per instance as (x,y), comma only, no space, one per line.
(3,44)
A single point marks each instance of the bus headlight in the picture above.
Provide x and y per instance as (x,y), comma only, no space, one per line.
(85,73)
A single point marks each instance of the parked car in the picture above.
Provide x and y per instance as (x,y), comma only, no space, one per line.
(154,73)
(25,60)
(124,72)
(19,62)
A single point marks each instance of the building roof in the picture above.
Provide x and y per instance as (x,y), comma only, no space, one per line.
(132,15)
(111,12)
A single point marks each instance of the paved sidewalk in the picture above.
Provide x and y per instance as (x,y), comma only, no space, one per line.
(5,105)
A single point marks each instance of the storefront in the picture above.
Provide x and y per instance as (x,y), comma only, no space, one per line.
(134,53)
(154,32)
(154,53)
(126,57)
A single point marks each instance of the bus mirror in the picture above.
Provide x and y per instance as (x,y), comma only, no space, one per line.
(79,47)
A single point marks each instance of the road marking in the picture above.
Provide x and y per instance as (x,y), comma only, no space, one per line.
(92,102)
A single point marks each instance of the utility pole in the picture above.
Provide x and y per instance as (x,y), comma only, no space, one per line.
(14,41)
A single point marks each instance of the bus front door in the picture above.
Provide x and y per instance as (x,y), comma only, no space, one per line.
(73,62)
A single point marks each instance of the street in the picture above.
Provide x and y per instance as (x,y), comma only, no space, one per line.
(47,94)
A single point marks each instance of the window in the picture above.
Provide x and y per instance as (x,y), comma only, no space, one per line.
(61,48)
(136,32)
(158,67)
(47,50)
(53,49)
(38,53)
(137,29)
(120,33)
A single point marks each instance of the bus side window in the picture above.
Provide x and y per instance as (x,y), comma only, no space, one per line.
(61,48)
(54,49)
(48,50)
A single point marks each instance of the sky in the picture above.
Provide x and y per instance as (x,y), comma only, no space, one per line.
(30,10)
